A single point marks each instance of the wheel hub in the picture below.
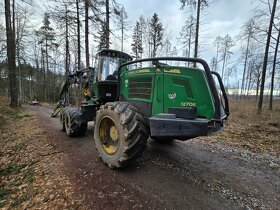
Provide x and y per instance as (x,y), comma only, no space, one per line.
(109,136)
(114,133)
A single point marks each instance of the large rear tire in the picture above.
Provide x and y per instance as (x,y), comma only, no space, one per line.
(83,129)
(120,134)
(73,122)
(61,119)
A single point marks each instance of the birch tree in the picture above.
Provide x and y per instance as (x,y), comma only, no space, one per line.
(226,44)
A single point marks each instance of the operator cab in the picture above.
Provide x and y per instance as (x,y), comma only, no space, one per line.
(106,78)
(108,68)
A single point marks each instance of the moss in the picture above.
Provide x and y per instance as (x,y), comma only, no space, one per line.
(24,198)
(29,175)
(11,168)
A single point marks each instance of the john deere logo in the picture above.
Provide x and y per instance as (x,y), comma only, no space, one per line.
(172,96)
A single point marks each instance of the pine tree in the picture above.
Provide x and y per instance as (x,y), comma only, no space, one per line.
(102,34)
(156,34)
(137,41)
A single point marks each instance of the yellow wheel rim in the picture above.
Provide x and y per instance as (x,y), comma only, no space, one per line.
(109,136)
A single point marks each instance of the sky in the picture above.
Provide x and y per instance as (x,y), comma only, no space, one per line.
(220,18)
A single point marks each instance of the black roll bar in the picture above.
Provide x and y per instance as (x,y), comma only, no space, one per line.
(208,73)
(223,91)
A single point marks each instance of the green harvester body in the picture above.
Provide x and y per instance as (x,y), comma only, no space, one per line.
(164,98)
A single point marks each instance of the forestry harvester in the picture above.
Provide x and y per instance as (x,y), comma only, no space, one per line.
(130,103)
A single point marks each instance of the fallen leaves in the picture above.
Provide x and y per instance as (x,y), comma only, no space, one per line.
(31,170)
(258,133)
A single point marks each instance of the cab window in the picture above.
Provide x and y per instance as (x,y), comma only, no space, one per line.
(108,68)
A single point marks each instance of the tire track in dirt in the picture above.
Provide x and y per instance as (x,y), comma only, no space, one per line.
(184,175)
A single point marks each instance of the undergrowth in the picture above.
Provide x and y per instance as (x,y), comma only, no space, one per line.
(246,128)
(9,114)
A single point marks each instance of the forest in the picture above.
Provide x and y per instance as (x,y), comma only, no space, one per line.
(54,153)
(36,58)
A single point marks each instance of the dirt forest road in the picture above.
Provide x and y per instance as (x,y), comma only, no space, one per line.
(194,174)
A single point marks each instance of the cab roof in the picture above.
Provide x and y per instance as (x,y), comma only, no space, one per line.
(114,53)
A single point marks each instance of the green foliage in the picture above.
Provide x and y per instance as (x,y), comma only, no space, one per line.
(46,32)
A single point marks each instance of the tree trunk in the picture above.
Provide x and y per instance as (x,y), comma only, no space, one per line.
(122,31)
(31,83)
(249,82)
(19,75)
(258,87)
(67,54)
(266,57)
(189,43)
(107,25)
(197,30)
(217,56)
(86,33)
(18,63)
(273,72)
(47,71)
(11,54)
(44,74)
(79,34)
(245,65)
(224,64)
